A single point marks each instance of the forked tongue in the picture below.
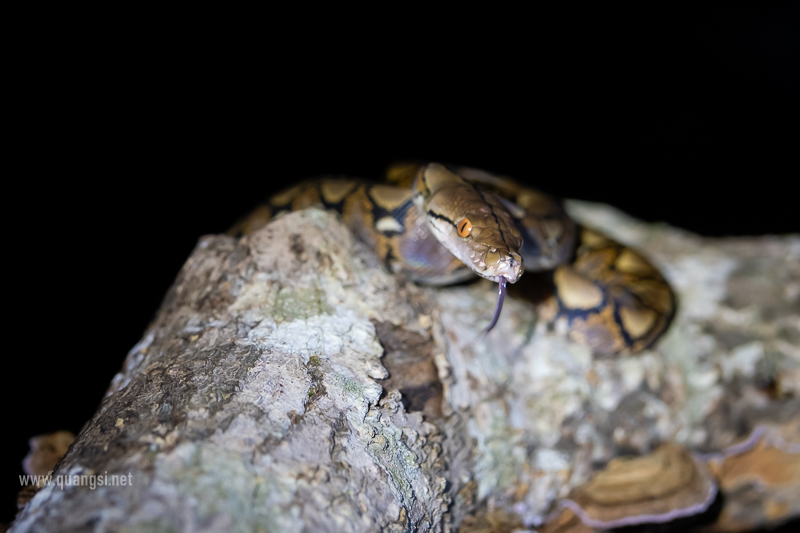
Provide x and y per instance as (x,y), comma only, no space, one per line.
(501,295)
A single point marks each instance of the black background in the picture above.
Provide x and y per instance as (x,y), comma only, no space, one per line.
(121,158)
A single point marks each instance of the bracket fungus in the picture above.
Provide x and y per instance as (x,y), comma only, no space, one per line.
(565,521)
(760,478)
(659,487)
(45,451)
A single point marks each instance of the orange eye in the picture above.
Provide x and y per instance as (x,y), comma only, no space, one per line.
(464,227)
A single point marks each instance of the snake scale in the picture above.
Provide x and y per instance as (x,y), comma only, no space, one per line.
(439,225)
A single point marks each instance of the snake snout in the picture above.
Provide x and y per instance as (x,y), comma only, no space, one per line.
(510,267)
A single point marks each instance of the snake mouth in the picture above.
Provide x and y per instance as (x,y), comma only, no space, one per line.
(509,269)
(501,296)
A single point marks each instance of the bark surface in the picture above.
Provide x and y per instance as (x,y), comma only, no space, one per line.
(289,383)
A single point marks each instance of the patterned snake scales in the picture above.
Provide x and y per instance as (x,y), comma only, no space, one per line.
(439,225)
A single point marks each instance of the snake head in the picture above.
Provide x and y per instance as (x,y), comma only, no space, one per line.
(471,223)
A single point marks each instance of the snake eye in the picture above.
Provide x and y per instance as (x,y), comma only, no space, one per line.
(464,227)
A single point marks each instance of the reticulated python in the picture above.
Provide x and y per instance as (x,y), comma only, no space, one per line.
(438,225)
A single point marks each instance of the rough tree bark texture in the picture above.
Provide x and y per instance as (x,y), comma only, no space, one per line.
(289,383)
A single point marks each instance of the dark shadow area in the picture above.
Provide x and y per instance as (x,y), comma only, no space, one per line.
(408,358)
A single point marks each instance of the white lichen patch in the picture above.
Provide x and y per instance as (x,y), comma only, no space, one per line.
(551,460)
(278,385)
(741,360)
(616,380)
(189,473)
(329,260)
(701,279)
(133,363)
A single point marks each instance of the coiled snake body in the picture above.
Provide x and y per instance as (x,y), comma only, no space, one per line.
(438,225)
